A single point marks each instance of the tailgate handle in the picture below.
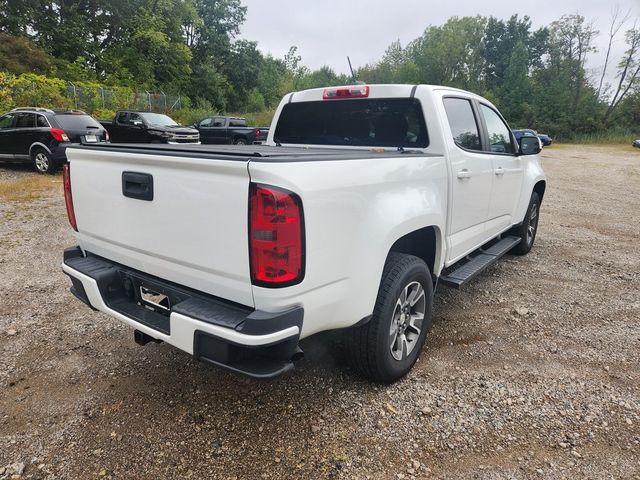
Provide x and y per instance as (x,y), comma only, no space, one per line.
(137,185)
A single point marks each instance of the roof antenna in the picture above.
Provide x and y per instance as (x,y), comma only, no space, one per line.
(353,75)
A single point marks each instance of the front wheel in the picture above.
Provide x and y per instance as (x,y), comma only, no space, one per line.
(529,228)
(42,161)
(387,347)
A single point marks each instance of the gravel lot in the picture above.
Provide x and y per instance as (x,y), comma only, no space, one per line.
(532,371)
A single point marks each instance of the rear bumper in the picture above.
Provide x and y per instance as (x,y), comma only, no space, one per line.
(235,337)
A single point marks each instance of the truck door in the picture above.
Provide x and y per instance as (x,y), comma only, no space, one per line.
(471,178)
(219,130)
(206,132)
(507,170)
(120,127)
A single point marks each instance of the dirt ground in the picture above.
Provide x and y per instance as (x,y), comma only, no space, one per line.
(531,371)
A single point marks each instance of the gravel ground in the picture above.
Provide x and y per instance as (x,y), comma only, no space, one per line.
(529,372)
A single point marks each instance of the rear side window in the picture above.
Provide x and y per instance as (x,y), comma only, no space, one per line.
(25,120)
(462,121)
(41,121)
(122,117)
(384,122)
(499,134)
(79,122)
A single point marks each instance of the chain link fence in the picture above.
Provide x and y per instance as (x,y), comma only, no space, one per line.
(102,98)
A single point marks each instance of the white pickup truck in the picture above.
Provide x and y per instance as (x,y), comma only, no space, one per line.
(364,199)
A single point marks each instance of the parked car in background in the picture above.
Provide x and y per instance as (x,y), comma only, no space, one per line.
(41,136)
(230,130)
(637,143)
(148,127)
(545,140)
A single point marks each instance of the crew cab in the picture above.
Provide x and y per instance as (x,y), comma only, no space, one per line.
(365,199)
(41,135)
(230,130)
(148,127)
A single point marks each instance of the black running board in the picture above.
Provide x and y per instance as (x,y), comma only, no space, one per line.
(480,262)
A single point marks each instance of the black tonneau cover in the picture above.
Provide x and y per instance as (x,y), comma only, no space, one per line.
(255,153)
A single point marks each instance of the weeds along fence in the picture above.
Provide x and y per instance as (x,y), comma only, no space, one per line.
(39,91)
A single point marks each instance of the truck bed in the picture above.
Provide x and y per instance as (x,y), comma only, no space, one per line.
(255,153)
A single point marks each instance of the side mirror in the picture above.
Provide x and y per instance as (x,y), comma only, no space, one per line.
(529,145)
(138,123)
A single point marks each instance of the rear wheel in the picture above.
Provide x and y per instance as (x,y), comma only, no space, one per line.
(529,228)
(42,161)
(387,347)
(240,141)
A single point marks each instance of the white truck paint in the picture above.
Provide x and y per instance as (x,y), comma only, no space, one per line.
(356,208)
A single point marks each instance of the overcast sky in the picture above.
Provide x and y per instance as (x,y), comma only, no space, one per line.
(326,31)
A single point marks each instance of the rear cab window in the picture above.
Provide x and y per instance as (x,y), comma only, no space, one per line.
(371,122)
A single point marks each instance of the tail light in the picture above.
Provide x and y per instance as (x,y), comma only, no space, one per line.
(257,133)
(59,135)
(276,236)
(68,199)
(353,91)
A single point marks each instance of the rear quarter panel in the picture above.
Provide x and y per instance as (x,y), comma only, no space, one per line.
(354,211)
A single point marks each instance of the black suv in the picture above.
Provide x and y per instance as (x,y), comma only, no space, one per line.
(41,136)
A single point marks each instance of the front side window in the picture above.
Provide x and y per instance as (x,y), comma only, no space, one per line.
(6,121)
(371,122)
(498,132)
(206,122)
(462,122)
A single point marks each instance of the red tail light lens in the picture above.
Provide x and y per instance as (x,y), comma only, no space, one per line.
(59,135)
(257,133)
(276,229)
(354,91)
(68,199)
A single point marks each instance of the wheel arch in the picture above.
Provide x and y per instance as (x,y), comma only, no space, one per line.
(38,145)
(539,188)
(424,243)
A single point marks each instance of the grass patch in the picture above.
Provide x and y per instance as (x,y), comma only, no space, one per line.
(29,188)
(614,136)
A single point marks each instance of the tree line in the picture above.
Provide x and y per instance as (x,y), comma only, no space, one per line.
(538,78)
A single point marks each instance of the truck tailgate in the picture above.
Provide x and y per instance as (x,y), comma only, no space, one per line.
(194,231)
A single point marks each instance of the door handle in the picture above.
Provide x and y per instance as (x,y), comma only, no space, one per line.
(137,185)
(499,171)
(464,173)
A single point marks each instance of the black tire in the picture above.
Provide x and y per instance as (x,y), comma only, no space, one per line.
(528,230)
(240,141)
(368,348)
(42,161)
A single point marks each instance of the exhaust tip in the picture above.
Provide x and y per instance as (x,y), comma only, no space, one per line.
(142,338)
(298,354)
